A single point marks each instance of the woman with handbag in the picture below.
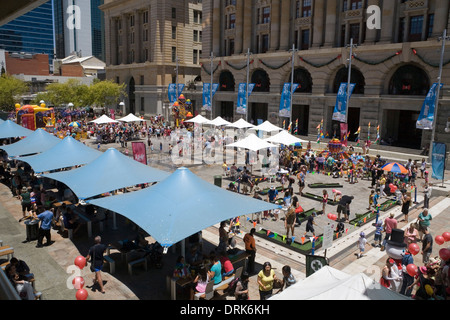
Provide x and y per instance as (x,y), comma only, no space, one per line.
(96,254)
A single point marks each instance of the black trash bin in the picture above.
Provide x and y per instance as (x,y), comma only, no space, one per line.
(218,181)
(32,229)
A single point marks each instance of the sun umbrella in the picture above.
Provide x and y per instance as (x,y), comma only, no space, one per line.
(395,167)
(75,124)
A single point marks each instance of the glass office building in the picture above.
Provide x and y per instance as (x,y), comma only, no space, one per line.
(30,33)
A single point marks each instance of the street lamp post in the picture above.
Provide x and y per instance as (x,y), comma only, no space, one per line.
(246,89)
(211,86)
(444,38)
(349,78)
(292,81)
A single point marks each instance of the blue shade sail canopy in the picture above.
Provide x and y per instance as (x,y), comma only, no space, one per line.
(111,171)
(10,129)
(39,141)
(67,153)
(180,206)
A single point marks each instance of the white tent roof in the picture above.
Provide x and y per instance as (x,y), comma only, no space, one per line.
(198,119)
(104,119)
(130,118)
(241,124)
(252,142)
(331,284)
(267,126)
(285,138)
(219,121)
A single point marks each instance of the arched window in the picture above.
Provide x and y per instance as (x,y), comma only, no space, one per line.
(261,81)
(226,81)
(356,78)
(303,78)
(409,80)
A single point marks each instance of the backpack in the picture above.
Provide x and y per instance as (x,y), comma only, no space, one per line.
(232,287)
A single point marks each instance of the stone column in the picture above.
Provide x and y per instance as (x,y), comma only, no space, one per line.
(239,27)
(138,36)
(285,25)
(388,24)
(331,30)
(318,19)
(247,26)
(441,18)
(274,25)
(216,20)
(125,39)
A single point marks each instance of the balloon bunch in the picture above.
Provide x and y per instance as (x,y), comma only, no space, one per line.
(78,282)
(332,216)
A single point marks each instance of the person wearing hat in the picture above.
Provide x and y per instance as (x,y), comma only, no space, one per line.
(272,194)
(25,201)
(422,280)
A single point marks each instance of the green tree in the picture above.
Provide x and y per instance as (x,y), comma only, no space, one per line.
(107,92)
(72,91)
(10,91)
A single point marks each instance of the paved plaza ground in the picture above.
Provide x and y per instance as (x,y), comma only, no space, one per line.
(51,265)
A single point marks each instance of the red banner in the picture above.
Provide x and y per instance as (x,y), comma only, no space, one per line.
(113,114)
(344,137)
(139,152)
(28,121)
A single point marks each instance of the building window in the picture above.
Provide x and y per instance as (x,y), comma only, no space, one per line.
(145,35)
(117,80)
(343,38)
(131,56)
(195,56)
(142,103)
(132,37)
(296,38)
(174,32)
(145,17)
(415,28)
(232,21)
(355,4)
(297,9)
(266,15)
(305,39)
(195,35)
(258,16)
(344,5)
(430,25)
(146,54)
(142,80)
(231,47)
(401,30)
(174,13)
(174,54)
(197,16)
(264,43)
(306,8)
(354,32)
(131,20)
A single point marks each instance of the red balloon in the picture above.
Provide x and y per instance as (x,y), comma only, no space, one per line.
(81,294)
(439,240)
(78,283)
(414,248)
(411,269)
(80,262)
(334,217)
(329,216)
(444,254)
(446,236)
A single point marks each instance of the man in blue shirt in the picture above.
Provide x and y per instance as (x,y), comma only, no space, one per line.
(46,218)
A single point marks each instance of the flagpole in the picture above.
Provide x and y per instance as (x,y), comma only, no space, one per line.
(292,82)
(211,87)
(433,131)
(349,80)
(246,89)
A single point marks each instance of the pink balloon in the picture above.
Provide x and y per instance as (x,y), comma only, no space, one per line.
(333,217)
(446,236)
(81,294)
(414,248)
(444,254)
(411,269)
(439,240)
(80,262)
(78,283)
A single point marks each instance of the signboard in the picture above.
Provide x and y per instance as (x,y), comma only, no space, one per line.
(139,152)
(315,263)
(340,109)
(438,160)
(207,95)
(285,102)
(242,97)
(426,116)
(328,233)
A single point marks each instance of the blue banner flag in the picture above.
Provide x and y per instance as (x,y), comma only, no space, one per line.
(172,92)
(285,102)
(207,95)
(426,117)
(438,160)
(340,109)
(242,97)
